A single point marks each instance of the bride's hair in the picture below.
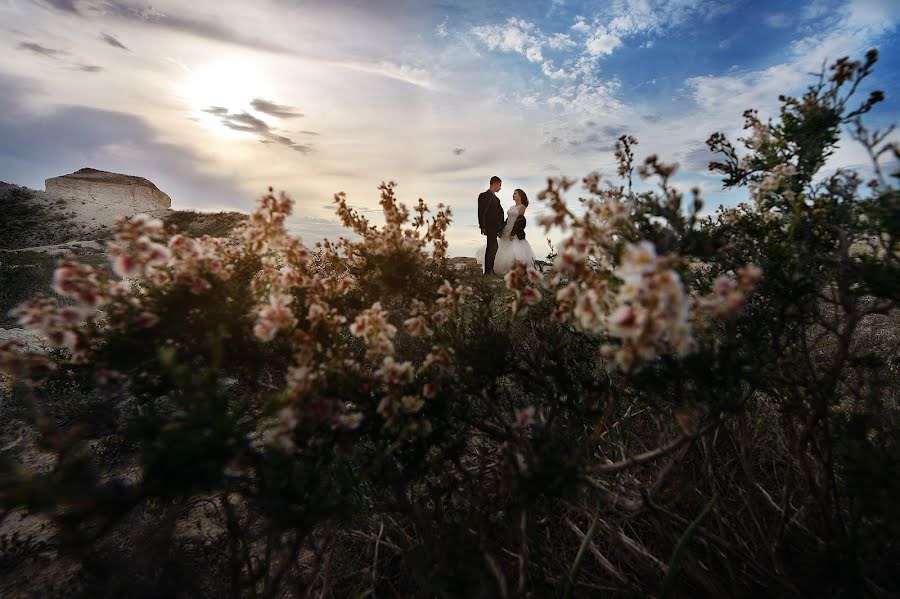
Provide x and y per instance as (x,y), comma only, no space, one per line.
(522,197)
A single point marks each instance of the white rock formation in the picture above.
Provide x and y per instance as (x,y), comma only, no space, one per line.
(125,194)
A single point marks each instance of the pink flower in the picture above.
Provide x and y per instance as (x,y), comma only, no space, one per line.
(372,325)
(200,286)
(525,417)
(512,279)
(446,288)
(531,296)
(145,320)
(346,284)
(589,311)
(387,407)
(349,421)
(411,404)
(723,286)
(749,276)
(638,258)
(316,313)
(126,266)
(395,373)
(264,330)
(73,315)
(624,322)
(416,326)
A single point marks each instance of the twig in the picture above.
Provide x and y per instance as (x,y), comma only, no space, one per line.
(375,558)
(369,537)
(523,551)
(641,550)
(497,572)
(646,456)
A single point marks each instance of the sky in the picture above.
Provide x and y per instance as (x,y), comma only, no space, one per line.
(214,101)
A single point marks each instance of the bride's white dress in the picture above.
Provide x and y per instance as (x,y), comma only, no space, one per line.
(509,251)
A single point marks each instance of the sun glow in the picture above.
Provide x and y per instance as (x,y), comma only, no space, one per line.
(223,88)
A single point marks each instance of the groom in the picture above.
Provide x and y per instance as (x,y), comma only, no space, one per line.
(490,220)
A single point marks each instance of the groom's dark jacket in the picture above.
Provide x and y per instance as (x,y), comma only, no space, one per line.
(518,229)
(490,213)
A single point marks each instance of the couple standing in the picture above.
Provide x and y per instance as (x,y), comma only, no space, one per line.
(506,243)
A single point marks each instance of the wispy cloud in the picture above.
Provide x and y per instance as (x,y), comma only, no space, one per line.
(405,72)
(272,109)
(778,20)
(42,50)
(246,122)
(70,6)
(60,55)
(199,26)
(112,41)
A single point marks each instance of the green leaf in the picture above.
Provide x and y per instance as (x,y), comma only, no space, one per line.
(668,585)
(573,571)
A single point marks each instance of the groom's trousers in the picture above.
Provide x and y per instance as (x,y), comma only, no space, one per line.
(490,252)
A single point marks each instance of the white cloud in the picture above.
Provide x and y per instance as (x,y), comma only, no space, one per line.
(553,73)
(516,35)
(523,37)
(533,54)
(581,25)
(589,101)
(816,9)
(560,41)
(407,73)
(440,29)
(626,18)
(778,20)
(555,5)
(878,16)
(602,42)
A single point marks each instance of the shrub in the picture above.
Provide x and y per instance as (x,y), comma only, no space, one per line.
(33,223)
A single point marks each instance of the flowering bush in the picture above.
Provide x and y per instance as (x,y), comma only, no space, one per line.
(357,417)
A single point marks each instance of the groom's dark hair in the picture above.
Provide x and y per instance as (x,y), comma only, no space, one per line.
(495,179)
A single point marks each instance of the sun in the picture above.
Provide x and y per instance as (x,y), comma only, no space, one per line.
(228,85)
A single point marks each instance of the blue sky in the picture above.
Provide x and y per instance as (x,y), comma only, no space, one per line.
(214,101)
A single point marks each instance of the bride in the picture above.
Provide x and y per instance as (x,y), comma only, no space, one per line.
(512,246)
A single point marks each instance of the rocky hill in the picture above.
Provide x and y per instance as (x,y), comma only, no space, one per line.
(109,190)
(76,215)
